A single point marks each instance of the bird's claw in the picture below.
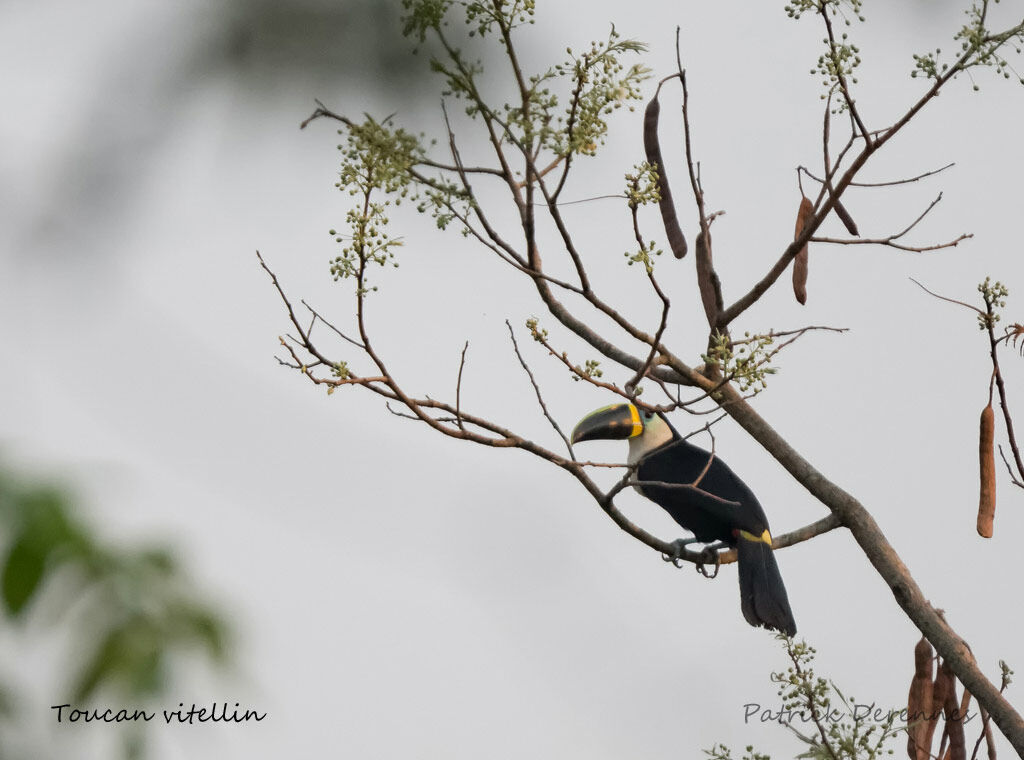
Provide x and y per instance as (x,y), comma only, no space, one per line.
(710,555)
(678,549)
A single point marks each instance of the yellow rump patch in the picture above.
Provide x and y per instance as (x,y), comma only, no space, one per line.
(765,537)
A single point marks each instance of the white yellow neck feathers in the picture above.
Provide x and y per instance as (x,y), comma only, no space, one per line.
(656,433)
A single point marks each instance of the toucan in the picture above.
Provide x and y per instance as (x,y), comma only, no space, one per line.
(705,497)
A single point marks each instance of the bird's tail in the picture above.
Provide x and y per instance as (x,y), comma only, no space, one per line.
(762,595)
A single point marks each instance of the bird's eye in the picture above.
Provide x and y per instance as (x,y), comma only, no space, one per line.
(648,415)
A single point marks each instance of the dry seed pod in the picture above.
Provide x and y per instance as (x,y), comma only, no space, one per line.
(803,216)
(676,239)
(707,279)
(965,704)
(919,701)
(955,720)
(942,686)
(990,742)
(987,456)
(845,218)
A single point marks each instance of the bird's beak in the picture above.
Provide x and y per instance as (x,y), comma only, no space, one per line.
(610,422)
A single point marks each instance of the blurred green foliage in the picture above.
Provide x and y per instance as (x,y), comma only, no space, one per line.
(127,612)
(301,42)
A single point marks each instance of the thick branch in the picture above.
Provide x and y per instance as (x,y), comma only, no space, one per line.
(887,563)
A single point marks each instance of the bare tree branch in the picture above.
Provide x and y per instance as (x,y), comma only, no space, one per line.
(707,279)
(891,239)
(950,300)
(888,183)
(342,335)
(889,242)
(458,386)
(1009,469)
(536,390)
(841,77)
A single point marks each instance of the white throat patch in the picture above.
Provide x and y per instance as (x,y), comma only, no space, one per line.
(656,433)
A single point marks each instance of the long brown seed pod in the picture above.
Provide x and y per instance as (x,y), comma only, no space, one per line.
(919,701)
(990,742)
(943,685)
(844,216)
(803,216)
(965,705)
(676,239)
(987,458)
(707,279)
(954,713)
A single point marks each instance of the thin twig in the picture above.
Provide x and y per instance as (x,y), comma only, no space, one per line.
(889,243)
(1009,469)
(324,111)
(458,387)
(478,211)
(387,405)
(316,315)
(944,298)
(1001,387)
(632,383)
(711,456)
(890,240)
(690,487)
(569,127)
(889,183)
(841,77)
(536,390)
(707,279)
(579,372)
(331,382)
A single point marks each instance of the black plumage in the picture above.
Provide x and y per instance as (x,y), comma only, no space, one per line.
(704,496)
(718,508)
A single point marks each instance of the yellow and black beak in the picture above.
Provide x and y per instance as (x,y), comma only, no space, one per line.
(617,421)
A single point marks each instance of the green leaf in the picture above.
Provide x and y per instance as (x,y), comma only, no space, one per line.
(130,655)
(46,536)
(23,571)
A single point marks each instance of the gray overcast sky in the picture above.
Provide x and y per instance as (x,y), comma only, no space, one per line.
(401,595)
